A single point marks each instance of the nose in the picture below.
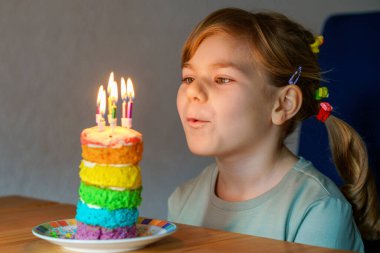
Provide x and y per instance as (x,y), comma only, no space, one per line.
(197,92)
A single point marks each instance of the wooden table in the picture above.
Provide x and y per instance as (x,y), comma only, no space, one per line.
(18,215)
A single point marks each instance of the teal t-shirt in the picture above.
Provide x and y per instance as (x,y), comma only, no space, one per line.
(305,207)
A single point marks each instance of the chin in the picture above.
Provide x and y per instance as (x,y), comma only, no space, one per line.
(199,148)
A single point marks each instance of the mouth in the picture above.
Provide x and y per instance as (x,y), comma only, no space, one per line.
(196,123)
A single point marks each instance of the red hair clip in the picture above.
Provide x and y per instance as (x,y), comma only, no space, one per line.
(324,111)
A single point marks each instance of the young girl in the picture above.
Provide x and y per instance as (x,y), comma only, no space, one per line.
(248,79)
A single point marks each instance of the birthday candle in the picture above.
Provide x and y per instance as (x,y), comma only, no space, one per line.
(127,92)
(101,108)
(109,89)
(131,96)
(124,97)
(130,108)
(114,97)
(100,93)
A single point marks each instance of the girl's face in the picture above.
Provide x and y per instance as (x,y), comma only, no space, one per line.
(224,102)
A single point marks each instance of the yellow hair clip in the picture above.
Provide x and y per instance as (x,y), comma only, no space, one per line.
(318,42)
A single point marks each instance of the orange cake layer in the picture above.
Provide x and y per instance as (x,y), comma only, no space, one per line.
(124,155)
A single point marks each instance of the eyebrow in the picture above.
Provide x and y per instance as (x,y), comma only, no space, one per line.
(223,64)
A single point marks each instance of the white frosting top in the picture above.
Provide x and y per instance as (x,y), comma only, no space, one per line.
(110,137)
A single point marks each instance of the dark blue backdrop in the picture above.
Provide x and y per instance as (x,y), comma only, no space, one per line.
(351,57)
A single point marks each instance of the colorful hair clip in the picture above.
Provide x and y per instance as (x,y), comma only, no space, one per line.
(318,42)
(324,111)
(321,92)
(296,75)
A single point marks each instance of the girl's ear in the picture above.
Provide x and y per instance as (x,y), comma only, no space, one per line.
(287,103)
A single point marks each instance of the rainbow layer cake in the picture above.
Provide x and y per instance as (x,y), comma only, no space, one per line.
(110,189)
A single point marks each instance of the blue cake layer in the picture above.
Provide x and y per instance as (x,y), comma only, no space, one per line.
(106,218)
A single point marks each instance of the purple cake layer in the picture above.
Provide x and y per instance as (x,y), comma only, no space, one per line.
(88,232)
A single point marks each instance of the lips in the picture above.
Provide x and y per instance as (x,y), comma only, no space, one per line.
(196,122)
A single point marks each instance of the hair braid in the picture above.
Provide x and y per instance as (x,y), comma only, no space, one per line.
(351,160)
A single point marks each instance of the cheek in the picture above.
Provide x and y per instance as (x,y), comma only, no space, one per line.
(235,107)
(181,100)
(243,113)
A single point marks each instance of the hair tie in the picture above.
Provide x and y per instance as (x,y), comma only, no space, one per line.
(325,110)
(316,44)
(321,92)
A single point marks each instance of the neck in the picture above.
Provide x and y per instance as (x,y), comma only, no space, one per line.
(246,176)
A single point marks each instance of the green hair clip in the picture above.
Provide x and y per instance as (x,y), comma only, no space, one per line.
(321,92)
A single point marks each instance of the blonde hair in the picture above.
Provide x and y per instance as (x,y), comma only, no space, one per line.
(279,46)
(351,160)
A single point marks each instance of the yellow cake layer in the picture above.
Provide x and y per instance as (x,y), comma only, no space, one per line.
(128,177)
(131,154)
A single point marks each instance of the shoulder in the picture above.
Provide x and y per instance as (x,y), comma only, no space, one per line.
(329,222)
(201,180)
(197,185)
(307,190)
(323,197)
(313,183)
(326,217)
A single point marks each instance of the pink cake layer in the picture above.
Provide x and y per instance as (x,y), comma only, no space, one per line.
(88,232)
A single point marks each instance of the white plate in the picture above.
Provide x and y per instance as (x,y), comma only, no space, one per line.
(61,232)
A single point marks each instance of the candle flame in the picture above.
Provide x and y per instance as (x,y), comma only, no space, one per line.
(130,90)
(110,83)
(123,89)
(103,101)
(114,95)
(100,92)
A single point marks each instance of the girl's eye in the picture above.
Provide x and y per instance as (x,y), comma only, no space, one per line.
(187,80)
(222,80)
